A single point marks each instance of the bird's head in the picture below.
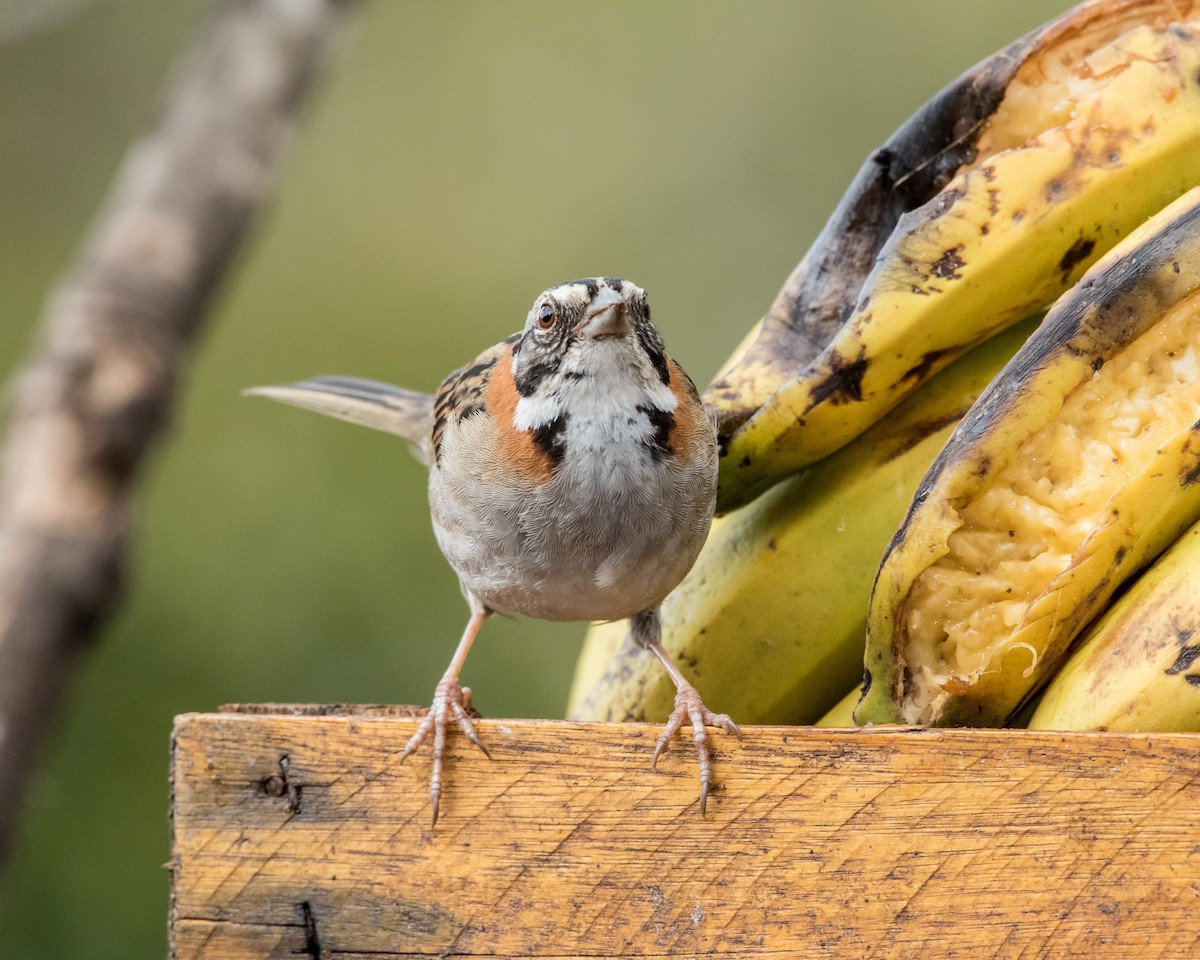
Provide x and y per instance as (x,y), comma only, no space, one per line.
(571,319)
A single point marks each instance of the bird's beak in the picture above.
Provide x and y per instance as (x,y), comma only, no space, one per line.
(607,316)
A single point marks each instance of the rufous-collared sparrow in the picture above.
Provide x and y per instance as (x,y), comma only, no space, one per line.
(572,476)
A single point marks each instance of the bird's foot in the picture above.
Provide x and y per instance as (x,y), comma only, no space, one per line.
(450,702)
(689,707)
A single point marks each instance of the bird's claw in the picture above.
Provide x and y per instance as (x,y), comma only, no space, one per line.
(450,701)
(689,706)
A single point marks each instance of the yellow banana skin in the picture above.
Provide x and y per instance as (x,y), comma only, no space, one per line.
(769,623)
(907,171)
(1144,291)
(1004,237)
(841,714)
(1138,669)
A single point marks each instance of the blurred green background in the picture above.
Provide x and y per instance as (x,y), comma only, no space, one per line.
(459,158)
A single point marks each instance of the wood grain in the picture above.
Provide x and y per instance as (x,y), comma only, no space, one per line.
(296,834)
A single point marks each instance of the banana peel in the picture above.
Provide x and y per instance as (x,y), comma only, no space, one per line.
(986,205)
(1074,469)
(769,623)
(1138,669)
(841,714)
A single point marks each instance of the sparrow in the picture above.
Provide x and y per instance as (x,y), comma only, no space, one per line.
(572,476)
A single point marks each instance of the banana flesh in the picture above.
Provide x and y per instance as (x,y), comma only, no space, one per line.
(1075,468)
(1097,127)
(769,623)
(1139,668)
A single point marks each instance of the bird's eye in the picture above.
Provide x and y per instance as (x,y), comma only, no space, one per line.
(545,316)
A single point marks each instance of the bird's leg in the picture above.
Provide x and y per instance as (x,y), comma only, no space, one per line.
(646,629)
(449,701)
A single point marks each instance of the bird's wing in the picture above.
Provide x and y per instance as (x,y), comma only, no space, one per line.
(464,392)
(381,406)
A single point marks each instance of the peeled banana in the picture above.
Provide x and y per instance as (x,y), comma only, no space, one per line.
(1075,468)
(984,207)
(1138,669)
(770,621)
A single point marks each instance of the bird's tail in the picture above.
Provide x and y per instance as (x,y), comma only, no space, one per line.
(381,406)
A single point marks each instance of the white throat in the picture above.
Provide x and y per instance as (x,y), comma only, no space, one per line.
(627,378)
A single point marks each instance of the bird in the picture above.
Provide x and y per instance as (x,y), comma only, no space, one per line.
(572,476)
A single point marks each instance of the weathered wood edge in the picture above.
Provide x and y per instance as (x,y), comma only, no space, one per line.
(321,710)
(1141,893)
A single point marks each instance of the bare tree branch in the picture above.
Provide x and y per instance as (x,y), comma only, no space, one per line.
(114,344)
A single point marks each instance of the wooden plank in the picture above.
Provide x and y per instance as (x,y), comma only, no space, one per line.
(820,843)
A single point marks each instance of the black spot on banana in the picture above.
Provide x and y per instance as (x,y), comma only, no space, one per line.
(1079,251)
(982,208)
(843,383)
(1073,470)
(1188,654)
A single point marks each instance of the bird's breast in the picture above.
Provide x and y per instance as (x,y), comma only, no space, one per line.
(605,527)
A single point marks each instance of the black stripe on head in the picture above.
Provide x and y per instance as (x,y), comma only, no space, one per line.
(659,442)
(593,287)
(541,350)
(550,439)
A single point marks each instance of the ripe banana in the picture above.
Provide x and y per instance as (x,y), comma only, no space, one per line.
(909,170)
(1077,466)
(769,623)
(1137,669)
(1080,132)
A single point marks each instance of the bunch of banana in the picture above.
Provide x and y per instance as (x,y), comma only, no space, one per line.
(1077,466)
(1137,668)
(984,207)
(772,615)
